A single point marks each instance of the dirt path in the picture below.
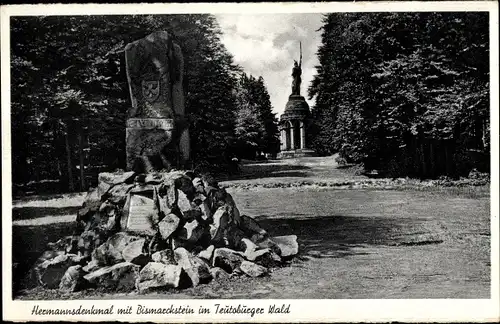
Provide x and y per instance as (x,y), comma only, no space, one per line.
(305,169)
(379,244)
(353,243)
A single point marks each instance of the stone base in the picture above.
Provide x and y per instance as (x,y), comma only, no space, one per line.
(296,153)
(195,229)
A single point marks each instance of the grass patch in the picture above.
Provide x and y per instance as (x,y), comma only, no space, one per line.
(472,192)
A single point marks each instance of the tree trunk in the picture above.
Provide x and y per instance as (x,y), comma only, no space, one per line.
(484,134)
(56,133)
(82,164)
(447,159)
(71,185)
(432,159)
(422,158)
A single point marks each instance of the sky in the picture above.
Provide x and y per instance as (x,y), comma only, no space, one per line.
(266,45)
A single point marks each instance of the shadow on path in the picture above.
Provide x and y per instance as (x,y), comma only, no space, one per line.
(268,170)
(29,242)
(336,236)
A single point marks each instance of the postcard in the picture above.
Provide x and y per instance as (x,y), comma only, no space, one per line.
(250,162)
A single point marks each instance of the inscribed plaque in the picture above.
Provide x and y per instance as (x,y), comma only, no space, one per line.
(142,213)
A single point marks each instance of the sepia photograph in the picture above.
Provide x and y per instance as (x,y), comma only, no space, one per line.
(219,154)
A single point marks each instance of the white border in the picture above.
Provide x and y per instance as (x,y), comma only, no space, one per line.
(439,310)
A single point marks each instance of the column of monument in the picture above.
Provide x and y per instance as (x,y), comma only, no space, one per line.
(302,135)
(292,136)
(283,139)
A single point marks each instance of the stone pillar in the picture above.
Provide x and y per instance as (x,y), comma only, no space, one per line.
(287,137)
(283,139)
(292,137)
(302,135)
(157,135)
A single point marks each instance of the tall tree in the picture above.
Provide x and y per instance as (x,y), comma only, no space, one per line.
(256,124)
(404,92)
(77,62)
(270,140)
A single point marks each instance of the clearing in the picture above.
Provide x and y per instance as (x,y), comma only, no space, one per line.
(409,240)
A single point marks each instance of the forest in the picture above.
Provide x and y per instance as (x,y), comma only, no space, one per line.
(404,93)
(70,97)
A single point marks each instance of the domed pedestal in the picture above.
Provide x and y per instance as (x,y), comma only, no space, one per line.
(292,128)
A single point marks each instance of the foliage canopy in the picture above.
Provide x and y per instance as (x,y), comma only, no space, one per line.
(404,92)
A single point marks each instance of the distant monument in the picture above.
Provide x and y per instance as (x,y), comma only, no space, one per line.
(293,121)
(157,135)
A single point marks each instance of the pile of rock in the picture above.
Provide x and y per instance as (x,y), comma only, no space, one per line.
(155,231)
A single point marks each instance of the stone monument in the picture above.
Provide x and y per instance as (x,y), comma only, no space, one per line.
(152,228)
(293,121)
(157,135)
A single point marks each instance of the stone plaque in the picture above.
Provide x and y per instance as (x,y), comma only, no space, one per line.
(142,213)
(150,123)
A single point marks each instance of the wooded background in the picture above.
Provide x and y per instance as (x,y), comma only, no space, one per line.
(407,93)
